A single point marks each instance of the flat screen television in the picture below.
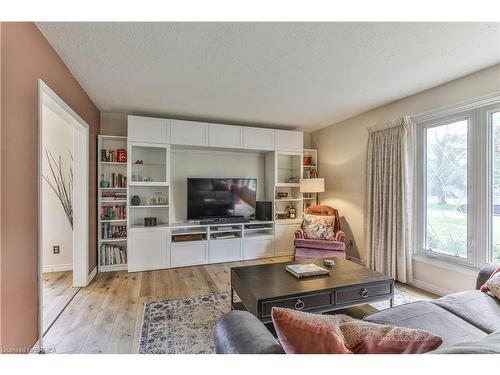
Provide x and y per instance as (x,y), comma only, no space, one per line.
(211,198)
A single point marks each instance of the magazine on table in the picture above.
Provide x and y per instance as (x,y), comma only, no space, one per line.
(306,270)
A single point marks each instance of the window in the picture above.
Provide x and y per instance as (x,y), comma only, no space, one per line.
(457,184)
(446,188)
(495,124)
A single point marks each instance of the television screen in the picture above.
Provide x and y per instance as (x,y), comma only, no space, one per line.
(220,197)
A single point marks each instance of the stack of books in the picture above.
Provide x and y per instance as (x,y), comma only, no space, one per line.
(113,254)
(306,270)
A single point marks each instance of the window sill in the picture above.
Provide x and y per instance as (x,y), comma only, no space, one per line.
(451,266)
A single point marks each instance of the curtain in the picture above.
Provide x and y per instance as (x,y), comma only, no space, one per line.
(388,199)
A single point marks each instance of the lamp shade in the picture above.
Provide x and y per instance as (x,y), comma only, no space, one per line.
(312,185)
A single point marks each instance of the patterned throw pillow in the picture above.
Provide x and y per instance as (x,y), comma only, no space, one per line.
(493,285)
(317,227)
(485,288)
(305,333)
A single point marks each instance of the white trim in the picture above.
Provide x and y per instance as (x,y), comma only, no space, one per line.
(466,105)
(444,264)
(81,206)
(430,288)
(92,274)
(57,268)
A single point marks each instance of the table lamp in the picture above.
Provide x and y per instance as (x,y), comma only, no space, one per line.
(312,185)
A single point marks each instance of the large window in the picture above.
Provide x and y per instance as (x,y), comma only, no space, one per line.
(446,188)
(495,127)
(457,185)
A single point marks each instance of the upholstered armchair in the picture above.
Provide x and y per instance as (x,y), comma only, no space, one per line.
(313,248)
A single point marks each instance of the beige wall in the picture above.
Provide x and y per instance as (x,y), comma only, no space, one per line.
(342,153)
(58,140)
(27,57)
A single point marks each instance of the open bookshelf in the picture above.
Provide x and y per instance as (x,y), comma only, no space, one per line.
(112,202)
(309,170)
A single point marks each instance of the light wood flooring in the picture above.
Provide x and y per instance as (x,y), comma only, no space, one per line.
(106,316)
(57,292)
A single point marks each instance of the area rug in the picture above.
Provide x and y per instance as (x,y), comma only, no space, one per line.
(185,325)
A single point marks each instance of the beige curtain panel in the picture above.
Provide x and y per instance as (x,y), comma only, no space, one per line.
(388,199)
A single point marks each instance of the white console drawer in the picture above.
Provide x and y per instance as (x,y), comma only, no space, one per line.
(284,239)
(225,251)
(189,253)
(256,248)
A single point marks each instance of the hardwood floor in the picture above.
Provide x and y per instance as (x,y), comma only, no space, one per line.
(106,316)
(57,292)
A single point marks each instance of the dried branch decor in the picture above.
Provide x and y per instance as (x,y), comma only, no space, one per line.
(62,187)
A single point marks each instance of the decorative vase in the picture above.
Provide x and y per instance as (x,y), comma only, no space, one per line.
(136,200)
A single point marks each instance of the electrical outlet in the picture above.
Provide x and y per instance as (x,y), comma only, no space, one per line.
(55,249)
(351,244)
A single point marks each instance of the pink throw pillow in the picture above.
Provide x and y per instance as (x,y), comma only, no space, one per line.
(484,288)
(305,333)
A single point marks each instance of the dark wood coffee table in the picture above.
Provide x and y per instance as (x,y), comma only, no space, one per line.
(349,284)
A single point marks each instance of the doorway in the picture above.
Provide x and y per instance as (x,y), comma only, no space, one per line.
(63,205)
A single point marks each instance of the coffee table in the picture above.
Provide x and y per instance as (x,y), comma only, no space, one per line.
(262,287)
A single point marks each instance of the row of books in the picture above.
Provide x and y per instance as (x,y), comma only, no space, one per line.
(113,195)
(109,230)
(114,156)
(113,254)
(114,212)
(113,180)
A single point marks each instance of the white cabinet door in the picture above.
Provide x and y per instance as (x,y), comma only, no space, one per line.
(188,133)
(147,129)
(258,138)
(284,237)
(148,249)
(253,249)
(226,136)
(189,253)
(288,140)
(225,251)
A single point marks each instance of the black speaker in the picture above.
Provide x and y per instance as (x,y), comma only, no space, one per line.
(263,211)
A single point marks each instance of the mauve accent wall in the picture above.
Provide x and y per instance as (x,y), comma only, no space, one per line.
(26,56)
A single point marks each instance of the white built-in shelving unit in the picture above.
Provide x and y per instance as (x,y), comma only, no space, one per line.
(148,170)
(111,204)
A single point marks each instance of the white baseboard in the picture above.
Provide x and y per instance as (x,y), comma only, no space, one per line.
(430,288)
(57,268)
(92,274)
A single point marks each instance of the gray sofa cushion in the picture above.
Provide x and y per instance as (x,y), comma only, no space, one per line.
(475,307)
(432,318)
(487,345)
(239,332)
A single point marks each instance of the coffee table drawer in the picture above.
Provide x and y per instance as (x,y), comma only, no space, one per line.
(361,292)
(307,302)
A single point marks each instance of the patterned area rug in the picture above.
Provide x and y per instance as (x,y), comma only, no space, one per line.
(185,325)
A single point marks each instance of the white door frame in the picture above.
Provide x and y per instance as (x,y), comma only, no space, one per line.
(81,275)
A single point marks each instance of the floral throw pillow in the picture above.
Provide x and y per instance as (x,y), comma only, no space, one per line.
(493,285)
(317,227)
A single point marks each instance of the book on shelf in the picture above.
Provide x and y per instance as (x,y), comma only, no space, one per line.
(113,195)
(110,231)
(114,156)
(113,180)
(306,270)
(220,236)
(112,255)
(118,212)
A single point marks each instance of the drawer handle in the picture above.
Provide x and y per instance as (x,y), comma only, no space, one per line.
(364,292)
(299,305)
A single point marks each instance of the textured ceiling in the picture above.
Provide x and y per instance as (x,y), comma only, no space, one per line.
(297,75)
